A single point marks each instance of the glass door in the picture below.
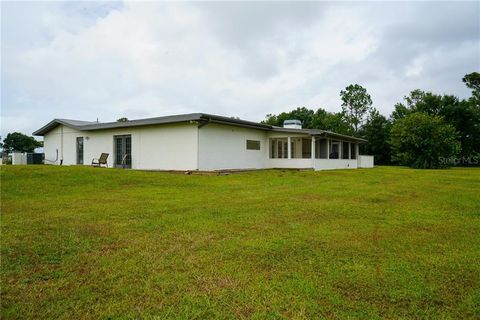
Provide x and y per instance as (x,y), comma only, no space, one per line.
(79,150)
(123,151)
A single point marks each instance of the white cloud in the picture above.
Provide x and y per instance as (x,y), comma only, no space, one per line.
(151,59)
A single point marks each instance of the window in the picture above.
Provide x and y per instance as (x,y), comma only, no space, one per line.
(253,145)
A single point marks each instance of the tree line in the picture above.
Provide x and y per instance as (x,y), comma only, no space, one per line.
(426,130)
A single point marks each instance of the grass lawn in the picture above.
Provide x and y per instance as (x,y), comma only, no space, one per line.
(79,242)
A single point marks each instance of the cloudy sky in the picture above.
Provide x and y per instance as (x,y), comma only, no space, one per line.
(83,60)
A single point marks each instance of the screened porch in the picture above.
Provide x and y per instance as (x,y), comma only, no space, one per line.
(302,147)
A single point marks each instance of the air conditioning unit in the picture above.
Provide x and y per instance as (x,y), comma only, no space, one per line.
(292,124)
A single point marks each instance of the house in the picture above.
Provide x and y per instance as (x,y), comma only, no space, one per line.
(199,141)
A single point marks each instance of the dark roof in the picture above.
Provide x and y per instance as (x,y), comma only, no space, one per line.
(319,133)
(76,124)
(200,117)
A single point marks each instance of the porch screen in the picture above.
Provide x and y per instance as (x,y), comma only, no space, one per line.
(321,149)
(306,148)
(353,151)
(345,151)
(279,148)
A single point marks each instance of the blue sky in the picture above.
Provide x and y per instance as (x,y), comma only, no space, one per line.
(106,60)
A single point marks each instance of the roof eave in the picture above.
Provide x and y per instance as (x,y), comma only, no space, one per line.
(52,125)
(235,122)
(339,136)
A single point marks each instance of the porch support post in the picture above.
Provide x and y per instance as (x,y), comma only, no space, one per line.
(328,148)
(313,147)
(349,151)
(289,148)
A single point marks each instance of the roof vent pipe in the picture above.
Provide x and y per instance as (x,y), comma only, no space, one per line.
(292,124)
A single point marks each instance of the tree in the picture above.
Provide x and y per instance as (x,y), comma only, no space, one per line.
(400,111)
(122,119)
(472,81)
(303,114)
(423,141)
(464,115)
(17,141)
(356,103)
(331,121)
(376,131)
(320,119)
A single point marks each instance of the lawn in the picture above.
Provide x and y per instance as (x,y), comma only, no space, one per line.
(389,242)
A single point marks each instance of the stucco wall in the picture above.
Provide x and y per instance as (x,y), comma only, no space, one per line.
(365,161)
(165,147)
(52,141)
(290,163)
(168,147)
(224,147)
(328,164)
(186,147)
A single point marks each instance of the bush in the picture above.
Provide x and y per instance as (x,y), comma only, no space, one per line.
(423,141)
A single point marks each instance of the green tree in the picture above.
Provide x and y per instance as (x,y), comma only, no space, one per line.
(20,142)
(331,121)
(320,119)
(423,141)
(464,115)
(303,114)
(400,111)
(376,131)
(356,103)
(123,119)
(472,81)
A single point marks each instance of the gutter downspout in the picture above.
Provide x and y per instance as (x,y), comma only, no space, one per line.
(61,145)
(198,148)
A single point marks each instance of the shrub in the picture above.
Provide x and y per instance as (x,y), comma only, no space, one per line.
(423,141)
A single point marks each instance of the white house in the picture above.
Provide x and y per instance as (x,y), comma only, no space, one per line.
(199,141)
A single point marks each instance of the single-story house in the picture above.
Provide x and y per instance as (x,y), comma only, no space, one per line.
(199,141)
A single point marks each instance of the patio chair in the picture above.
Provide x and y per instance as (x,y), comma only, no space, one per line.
(100,161)
(124,160)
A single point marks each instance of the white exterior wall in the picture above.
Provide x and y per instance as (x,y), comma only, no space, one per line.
(225,147)
(52,142)
(365,161)
(330,164)
(290,163)
(19,158)
(184,146)
(165,147)
(168,147)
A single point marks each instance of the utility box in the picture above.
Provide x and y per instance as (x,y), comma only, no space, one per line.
(34,158)
(19,158)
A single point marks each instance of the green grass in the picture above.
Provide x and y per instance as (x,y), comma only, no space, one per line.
(79,242)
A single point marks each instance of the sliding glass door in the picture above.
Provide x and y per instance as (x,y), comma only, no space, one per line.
(79,150)
(123,151)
